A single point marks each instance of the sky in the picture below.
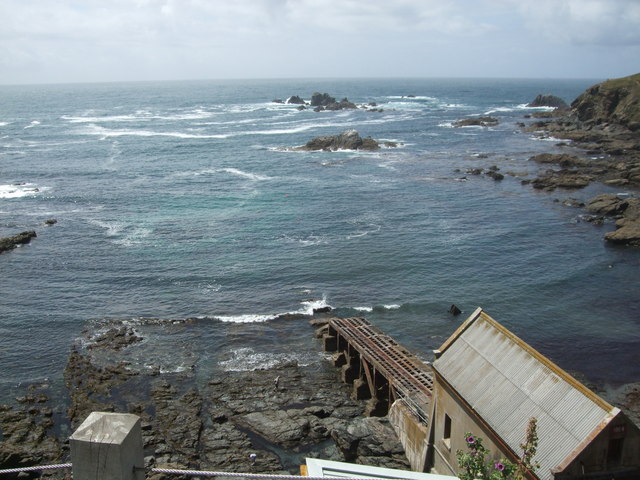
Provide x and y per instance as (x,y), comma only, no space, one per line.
(69,41)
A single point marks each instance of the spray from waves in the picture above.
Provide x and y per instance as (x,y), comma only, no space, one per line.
(21,190)
(308,308)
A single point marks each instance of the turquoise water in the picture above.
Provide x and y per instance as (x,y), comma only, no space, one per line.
(185,200)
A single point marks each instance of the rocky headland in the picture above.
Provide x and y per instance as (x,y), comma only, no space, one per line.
(604,124)
(198,420)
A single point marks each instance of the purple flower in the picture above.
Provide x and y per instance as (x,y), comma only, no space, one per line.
(471,439)
(499,466)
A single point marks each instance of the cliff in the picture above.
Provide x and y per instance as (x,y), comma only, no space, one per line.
(613,102)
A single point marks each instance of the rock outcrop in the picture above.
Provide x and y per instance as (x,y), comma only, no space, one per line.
(9,243)
(548,101)
(321,99)
(208,421)
(477,122)
(626,211)
(604,121)
(613,102)
(295,100)
(347,140)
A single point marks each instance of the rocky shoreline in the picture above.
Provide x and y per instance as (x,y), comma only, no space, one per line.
(186,423)
(604,124)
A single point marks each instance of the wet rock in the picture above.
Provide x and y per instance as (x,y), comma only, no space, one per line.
(573,202)
(295,100)
(321,99)
(567,179)
(562,159)
(607,204)
(9,243)
(347,140)
(116,339)
(50,221)
(627,213)
(477,122)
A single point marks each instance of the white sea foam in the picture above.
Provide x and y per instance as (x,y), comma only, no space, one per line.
(122,233)
(139,116)
(247,359)
(393,306)
(308,240)
(546,138)
(21,190)
(249,175)
(363,309)
(515,108)
(248,318)
(34,123)
(4,124)
(93,129)
(307,308)
(415,97)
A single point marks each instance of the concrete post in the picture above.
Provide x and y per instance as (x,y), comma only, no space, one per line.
(108,446)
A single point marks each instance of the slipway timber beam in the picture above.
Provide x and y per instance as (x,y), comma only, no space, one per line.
(378,367)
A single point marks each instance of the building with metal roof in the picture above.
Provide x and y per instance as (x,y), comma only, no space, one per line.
(489,382)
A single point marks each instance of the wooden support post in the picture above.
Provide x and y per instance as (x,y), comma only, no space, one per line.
(330,343)
(108,446)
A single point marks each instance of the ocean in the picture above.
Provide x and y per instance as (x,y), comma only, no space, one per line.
(185,200)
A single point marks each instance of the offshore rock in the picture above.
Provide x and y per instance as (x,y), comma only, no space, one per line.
(548,101)
(321,99)
(477,122)
(9,243)
(295,100)
(347,140)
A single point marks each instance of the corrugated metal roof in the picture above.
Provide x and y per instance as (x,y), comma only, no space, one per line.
(507,382)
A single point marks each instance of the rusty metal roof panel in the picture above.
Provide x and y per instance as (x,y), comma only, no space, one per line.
(507,382)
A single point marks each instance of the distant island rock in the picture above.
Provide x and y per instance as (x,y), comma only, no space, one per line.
(548,101)
(347,140)
(477,122)
(324,101)
(9,243)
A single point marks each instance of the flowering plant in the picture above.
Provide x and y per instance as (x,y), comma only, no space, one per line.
(475,464)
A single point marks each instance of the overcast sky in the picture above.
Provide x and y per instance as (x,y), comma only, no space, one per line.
(46,41)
